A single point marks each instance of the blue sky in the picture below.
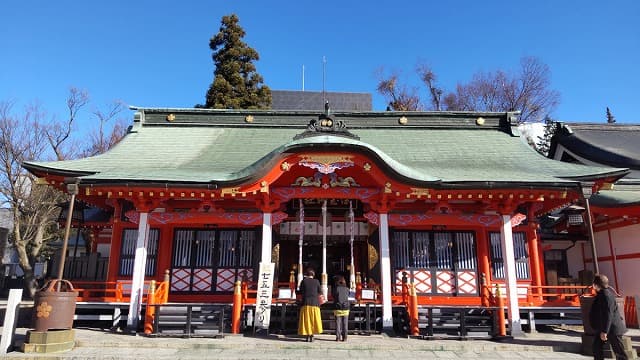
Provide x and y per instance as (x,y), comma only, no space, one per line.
(156,53)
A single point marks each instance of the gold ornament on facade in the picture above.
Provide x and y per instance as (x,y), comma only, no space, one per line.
(373,257)
(419,192)
(264,186)
(344,182)
(171,117)
(44,310)
(248,118)
(387,188)
(307,181)
(41,181)
(326,122)
(326,159)
(366,166)
(480,121)
(285,166)
(403,120)
(230,191)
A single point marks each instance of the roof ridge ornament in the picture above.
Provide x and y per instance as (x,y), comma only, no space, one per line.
(326,125)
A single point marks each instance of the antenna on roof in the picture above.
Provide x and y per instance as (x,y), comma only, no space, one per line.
(324,65)
(303,77)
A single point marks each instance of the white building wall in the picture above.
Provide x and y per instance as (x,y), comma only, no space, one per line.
(602,244)
(625,242)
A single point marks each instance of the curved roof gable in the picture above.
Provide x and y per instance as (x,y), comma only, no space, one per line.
(227,146)
(607,144)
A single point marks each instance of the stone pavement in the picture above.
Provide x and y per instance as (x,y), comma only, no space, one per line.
(95,344)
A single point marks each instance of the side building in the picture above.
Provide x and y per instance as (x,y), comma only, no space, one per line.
(615,209)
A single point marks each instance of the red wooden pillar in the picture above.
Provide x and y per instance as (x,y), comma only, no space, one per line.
(483,263)
(534,257)
(151,310)
(413,311)
(165,248)
(237,308)
(116,243)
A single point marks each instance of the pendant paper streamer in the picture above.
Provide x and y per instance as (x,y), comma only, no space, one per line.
(300,241)
(324,248)
(352,274)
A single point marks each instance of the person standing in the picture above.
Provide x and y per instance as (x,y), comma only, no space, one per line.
(341,312)
(310,321)
(606,320)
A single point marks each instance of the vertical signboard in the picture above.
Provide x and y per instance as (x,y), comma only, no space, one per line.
(264,295)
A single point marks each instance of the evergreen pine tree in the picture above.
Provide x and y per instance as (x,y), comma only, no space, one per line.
(236,84)
(544,142)
(610,118)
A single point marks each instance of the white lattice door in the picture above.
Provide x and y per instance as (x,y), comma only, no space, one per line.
(192,264)
(437,263)
(235,258)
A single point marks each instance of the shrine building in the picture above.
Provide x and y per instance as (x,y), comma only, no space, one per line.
(448,200)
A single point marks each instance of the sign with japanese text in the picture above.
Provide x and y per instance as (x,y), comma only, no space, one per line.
(263,297)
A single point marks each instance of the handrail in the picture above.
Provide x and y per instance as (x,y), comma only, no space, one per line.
(114,291)
(487,291)
(539,295)
(161,295)
(529,295)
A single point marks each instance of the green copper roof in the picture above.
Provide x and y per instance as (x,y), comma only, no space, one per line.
(225,146)
(626,192)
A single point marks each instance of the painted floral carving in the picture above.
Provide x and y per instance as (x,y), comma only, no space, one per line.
(44,310)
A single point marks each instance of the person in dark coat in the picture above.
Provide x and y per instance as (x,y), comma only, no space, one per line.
(606,320)
(341,308)
(310,321)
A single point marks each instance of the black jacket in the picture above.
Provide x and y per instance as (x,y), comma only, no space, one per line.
(341,297)
(309,290)
(605,315)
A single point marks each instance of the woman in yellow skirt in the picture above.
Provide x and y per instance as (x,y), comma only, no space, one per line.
(310,322)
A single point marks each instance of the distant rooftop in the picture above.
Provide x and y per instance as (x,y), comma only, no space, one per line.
(314,100)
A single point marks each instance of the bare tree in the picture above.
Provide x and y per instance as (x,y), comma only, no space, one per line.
(58,133)
(398,97)
(100,139)
(26,136)
(33,205)
(527,91)
(428,77)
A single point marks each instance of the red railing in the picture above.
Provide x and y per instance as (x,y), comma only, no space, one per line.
(567,295)
(100,291)
(116,291)
(250,291)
